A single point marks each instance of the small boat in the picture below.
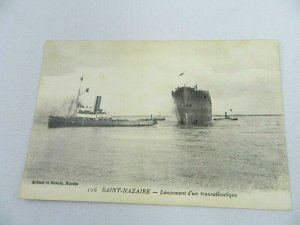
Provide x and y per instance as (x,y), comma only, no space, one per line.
(160,118)
(226,117)
(217,119)
(230,117)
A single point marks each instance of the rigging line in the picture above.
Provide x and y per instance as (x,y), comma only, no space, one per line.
(62,106)
(70,107)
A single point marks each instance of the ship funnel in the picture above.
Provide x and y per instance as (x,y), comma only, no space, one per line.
(97,104)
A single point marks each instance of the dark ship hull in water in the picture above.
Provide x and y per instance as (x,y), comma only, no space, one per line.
(193,106)
(86,117)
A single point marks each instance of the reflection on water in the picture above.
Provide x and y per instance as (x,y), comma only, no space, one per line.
(235,155)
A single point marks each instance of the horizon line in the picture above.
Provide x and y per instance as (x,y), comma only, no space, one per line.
(153,115)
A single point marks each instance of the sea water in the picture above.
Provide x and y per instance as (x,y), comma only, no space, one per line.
(246,154)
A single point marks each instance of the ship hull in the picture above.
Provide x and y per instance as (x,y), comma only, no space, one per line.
(192,106)
(59,122)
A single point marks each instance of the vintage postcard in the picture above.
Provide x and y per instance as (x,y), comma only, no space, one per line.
(195,123)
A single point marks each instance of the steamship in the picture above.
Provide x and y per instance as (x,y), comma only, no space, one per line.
(193,106)
(80,116)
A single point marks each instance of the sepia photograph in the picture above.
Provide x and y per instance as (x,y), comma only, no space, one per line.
(194,123)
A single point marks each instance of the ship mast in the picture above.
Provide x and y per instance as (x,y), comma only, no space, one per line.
(75,111)
(70,107)
(77,99)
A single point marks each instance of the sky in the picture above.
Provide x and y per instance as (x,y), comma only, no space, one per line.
(137,77)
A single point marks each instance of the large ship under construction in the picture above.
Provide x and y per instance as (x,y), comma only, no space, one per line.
(193,106)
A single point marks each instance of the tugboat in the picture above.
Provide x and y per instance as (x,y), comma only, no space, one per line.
(227,117)
(85,117)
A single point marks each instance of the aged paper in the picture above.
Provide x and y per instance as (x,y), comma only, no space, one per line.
(196,123)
